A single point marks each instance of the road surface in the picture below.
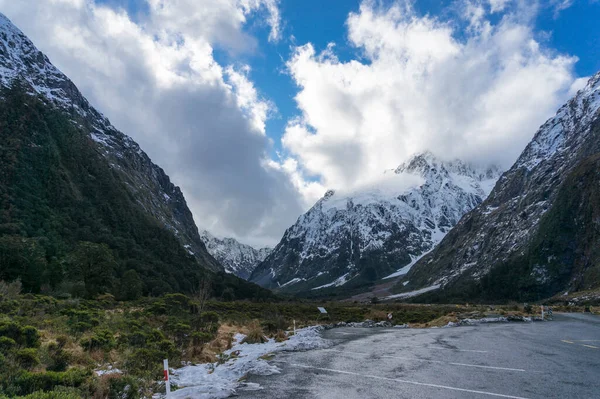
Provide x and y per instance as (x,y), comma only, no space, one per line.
(557,359)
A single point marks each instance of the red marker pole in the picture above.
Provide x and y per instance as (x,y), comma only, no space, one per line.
(167,382)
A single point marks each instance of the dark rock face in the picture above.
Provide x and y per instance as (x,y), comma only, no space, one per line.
(355,238)
(147,183)
(538,233)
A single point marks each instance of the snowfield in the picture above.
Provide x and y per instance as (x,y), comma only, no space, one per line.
(216,381)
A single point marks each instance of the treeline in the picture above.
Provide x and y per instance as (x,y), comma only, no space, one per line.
(68,224)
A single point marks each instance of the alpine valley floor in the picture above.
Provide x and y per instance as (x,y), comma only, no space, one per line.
(557,359)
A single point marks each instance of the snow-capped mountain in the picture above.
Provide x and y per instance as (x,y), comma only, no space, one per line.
(538,233)
(147,183)
(375,231)
(237,258)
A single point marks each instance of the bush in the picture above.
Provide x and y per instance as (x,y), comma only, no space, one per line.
(61,393)
(58,358)
(255,335)
(274,323)
(201,338)
(11,330)
(103,340)
(10,290)
(146,361)
(280,336)
(179,331)
(124,387)
(25,336)
(31,337)
(27,358)
(7,344)
(27,382)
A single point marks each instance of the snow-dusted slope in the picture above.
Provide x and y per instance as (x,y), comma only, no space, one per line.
(237,258)
(537,233)
(373,232)
(148,184)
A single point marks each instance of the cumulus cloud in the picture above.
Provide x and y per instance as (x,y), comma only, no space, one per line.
(157,80)
(476,90)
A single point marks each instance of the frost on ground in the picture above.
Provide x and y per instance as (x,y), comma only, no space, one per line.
(484,320)
(214,380)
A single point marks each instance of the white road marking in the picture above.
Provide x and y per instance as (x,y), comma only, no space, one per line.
(431,361)
(450,349)
(499,395)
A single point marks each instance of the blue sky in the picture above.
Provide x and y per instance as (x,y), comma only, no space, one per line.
(572,31)
(468,79)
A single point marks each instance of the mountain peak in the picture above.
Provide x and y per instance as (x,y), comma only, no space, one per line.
(427,165)
(555,135)
(536,234)
(371,232)
(152,189)
(237,258)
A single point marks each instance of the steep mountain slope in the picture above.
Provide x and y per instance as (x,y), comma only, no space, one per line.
(538,233)
(83,210)
(237,258)
(362,236)
(146,182)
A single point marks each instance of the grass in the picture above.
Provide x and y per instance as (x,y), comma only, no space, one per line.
(54,346)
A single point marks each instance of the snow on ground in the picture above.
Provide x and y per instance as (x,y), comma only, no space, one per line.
(337,282)
(216,381)
(414,293)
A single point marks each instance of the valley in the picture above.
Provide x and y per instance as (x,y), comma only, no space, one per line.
(436,275)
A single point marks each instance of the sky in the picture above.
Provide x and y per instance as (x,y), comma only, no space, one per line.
(256,107)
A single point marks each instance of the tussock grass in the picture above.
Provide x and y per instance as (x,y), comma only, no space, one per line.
(255,334)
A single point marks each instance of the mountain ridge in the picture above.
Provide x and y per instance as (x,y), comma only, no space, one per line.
(237,258)
(530,234)
(371,233)
(147,182)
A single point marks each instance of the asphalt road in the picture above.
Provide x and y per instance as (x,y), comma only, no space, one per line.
(557,359)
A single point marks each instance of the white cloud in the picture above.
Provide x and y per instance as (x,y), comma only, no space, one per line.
(498,5)
(218,21)
(158,81)
(478,94)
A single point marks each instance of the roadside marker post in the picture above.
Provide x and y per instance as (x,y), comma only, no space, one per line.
(542,312)
(167,381)
(294,326)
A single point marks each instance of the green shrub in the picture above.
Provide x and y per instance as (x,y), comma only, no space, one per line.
(31,337)
(145,361)
(100,340)
(179,331)
(60,393)
(27,382)
(273,323)
(11,330)
(7,344)
(58,358)
(201,338)
(124,387)
(25,336)
(27,358)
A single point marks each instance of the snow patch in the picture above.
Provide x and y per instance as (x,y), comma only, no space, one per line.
(215,381)
(414,293)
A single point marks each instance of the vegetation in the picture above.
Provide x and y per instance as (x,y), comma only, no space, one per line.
(68,225)
(64,348)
